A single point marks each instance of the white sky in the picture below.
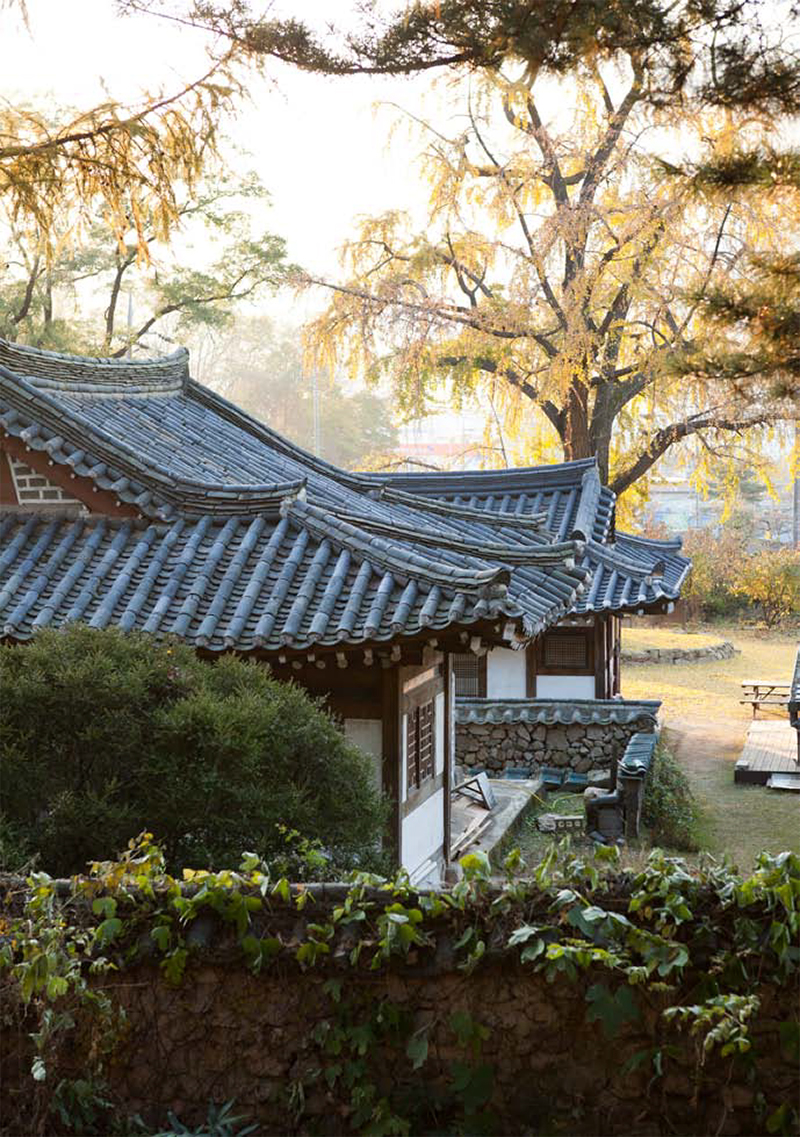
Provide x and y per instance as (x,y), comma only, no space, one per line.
(319,145)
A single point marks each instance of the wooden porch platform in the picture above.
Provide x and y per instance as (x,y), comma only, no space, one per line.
(770,748)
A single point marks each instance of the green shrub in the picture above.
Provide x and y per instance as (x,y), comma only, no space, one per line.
(103,735)
(670,810)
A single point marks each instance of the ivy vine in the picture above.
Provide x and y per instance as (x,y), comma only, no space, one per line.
(710,935)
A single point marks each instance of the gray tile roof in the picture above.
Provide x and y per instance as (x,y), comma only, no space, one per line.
(251,583)
(567,501)
(217,486)
(585,711)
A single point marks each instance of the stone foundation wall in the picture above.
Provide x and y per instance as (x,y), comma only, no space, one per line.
(266,1040)
(581,747)
(723,650)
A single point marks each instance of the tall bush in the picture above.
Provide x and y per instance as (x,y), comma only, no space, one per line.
(670,810)
(711,589)
(103,735)
(771,579)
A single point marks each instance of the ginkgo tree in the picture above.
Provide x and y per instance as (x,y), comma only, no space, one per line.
(564,271)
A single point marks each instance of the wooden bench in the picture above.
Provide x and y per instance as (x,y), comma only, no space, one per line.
(765,693)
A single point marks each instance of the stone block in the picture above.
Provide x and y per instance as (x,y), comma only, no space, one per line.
(557,739)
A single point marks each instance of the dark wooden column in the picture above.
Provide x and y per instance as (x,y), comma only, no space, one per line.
(392,756)
(449,748)
(600,658)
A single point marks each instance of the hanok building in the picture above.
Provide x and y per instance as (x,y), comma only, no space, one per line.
(134,497)
(578,658)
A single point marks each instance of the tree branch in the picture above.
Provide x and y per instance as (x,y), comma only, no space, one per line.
(667,436)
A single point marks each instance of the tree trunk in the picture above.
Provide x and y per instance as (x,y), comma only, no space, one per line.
(577,437)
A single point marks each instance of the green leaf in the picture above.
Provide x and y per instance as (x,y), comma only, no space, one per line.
(473,1084)
(38,1070)
(281,889)
(532,951)
(523,934)
(104,906)
(611,1009)
(56,985)
(417,1049)
(162,935)
(108,930)
(174,965)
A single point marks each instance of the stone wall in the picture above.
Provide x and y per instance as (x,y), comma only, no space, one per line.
(722,650)
(525,744)
(265,1040)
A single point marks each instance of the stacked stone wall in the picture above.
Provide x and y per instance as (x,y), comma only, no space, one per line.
(223,1033)
(496,747)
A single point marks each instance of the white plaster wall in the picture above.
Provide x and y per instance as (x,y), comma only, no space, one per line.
(505,674)
(565,686)
(423,831)
(367,735)
(438,722)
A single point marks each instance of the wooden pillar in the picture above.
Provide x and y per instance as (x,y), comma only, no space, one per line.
(392,757)
(616,652)
(449,748)
(600,665)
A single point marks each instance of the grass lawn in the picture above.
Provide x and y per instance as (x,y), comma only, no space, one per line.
(640,639)
(709,689)
(705,726)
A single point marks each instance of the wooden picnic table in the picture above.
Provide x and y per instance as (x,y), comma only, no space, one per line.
(765,693)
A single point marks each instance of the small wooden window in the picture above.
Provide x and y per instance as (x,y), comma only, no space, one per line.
(470,673)
(564,651)
(420,745)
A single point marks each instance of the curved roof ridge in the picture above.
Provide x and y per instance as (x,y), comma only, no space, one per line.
(542,555)
(450,509)
(228,410)
(586,514)
(674,544)
(85,374)
(611,557)
(322,522)
(510,476)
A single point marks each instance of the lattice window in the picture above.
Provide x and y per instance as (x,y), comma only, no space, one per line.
(35,488)
(420,745)
(566,651)
(468,670)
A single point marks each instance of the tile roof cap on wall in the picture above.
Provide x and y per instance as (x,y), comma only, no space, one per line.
(564,711)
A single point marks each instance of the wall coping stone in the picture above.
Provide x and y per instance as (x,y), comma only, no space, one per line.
(565,711)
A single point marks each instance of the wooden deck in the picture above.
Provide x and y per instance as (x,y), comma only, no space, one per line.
(770,748)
